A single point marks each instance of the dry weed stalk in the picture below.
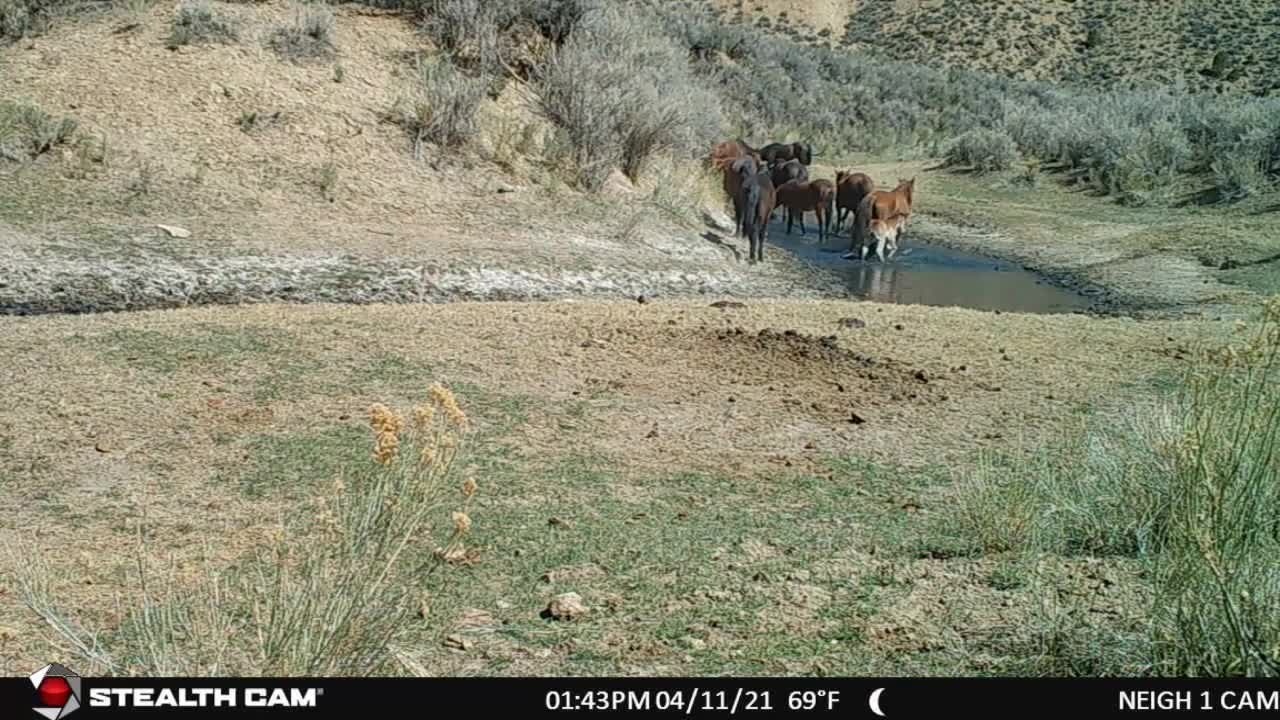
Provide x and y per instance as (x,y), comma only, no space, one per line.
(326,594)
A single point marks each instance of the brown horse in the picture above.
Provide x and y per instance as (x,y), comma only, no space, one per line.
(799,197)
(881,217)
(851,187)
(758,199)
(723,154)
(784,171)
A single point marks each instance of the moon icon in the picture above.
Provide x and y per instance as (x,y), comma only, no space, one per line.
(874,702)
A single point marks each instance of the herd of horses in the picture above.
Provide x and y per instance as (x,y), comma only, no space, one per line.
(776,176)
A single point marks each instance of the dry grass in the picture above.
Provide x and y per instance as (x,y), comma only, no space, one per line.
(329,594)
(611,417)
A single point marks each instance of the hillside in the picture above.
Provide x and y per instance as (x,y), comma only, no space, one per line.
(298,179)
(1209,46)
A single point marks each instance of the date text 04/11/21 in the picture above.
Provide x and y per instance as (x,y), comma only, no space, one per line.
(741,700)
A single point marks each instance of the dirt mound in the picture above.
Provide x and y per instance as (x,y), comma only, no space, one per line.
(796,346)
(846,377)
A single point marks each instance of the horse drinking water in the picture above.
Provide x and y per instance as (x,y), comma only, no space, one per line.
(881,218)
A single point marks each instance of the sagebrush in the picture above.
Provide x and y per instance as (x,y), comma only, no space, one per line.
(1187,486)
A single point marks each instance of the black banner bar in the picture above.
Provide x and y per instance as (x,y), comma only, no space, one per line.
(108,698)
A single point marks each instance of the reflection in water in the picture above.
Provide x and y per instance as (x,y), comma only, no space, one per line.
(876,280)
(930,275)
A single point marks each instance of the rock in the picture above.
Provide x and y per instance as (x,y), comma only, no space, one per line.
(642,299)
(504,188)
(457,642)
(922,376)
(855,418)
(693,643)
(728,304)
(566,606)
(102,446)
(559,522)
(852,323)
(175,231)
(899,326)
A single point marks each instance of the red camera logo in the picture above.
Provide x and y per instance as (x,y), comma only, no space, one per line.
(58,690)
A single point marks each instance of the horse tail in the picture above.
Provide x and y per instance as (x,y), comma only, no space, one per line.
(751,199)
(831,208)
(862,219)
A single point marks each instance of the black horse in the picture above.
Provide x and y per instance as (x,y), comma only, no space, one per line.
(780,152)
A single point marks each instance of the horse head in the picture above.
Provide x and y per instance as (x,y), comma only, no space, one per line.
(803,153)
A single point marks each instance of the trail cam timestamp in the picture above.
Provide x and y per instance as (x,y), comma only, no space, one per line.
(690,702)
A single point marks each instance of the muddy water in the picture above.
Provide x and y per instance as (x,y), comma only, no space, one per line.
(925,274)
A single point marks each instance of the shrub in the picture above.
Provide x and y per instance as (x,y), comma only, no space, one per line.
(327,595)
(21,18)
(620,91)
(198,22)
(442,106)
(1149,170)
(983,150)
(27,131)
(1188,487)
(1217,610)
(467,29)
(307,35)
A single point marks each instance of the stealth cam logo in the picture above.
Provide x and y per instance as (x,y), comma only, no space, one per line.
(58,690)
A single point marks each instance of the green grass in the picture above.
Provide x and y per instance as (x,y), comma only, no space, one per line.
(1186,488)
(209,346)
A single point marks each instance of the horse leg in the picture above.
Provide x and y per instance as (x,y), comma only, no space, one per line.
(880,243)
(790,218)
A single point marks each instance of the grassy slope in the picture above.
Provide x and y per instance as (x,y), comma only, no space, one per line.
(648,434)
(1164,42)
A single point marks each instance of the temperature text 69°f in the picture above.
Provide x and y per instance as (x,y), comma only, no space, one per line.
(813,700)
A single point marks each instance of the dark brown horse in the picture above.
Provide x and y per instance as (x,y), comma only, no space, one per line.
(782,173)
(881,218)
(735,174)
(851,187)
(758,199)
(799,197)
(785,171)
(775,152)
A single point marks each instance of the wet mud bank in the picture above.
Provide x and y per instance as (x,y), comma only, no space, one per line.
(35,285)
